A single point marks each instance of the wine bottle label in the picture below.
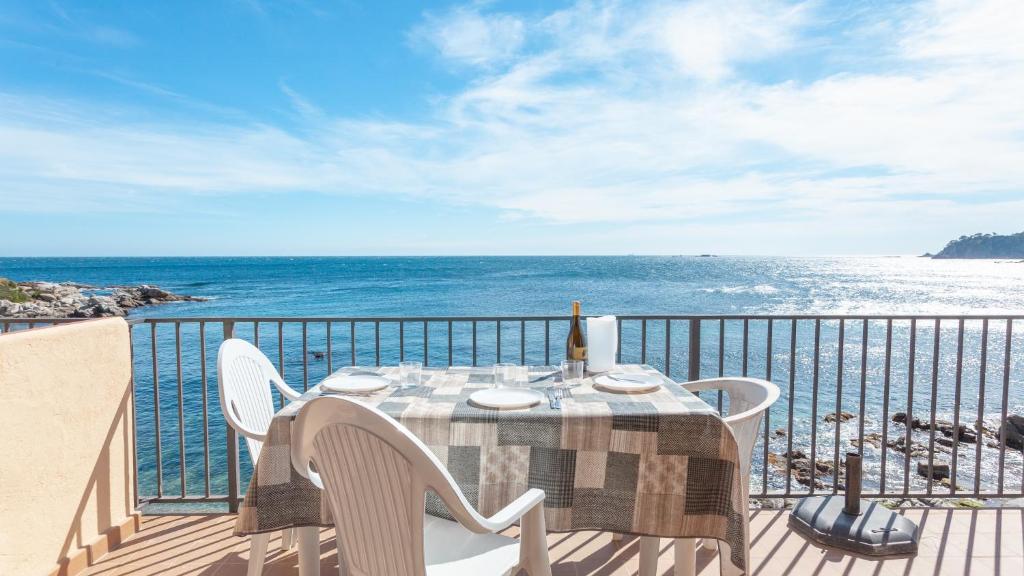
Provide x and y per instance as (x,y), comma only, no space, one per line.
(578,353)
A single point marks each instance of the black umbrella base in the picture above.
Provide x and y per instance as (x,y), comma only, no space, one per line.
(876,531)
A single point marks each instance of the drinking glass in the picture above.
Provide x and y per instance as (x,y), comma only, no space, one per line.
(505,375)
(410,373)
(572,371)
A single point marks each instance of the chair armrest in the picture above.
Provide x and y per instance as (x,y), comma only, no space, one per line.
(286,390)
(713,384)
(509,514)
(750,407)
(248,432)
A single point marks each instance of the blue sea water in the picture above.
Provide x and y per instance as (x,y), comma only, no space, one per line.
(491,286)
(544,285)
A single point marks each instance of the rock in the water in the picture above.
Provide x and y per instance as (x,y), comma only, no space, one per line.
(916,450)
(153,293)
(947,428)
(939,470)
(948,483)
(872,439)
(843,417)
(780,432)
(1013,431)
(802,470)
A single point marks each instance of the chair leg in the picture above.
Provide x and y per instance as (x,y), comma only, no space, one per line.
(710,544)
(287,540)
(309,550)
(617,536)
(649,555)
(686,557)
(257,553)
(533,543)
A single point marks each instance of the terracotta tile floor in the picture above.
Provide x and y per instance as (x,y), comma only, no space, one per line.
(953,542)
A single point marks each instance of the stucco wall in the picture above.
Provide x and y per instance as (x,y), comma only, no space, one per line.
(65,445)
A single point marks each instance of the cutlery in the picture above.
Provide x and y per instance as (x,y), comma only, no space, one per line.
(554,402)
(545,376)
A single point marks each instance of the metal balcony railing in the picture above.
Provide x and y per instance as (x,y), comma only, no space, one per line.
(956,380)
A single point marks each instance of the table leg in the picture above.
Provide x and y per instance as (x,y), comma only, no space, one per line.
(309,551)
(649,555)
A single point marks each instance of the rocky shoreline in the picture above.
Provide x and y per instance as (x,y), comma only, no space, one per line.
(71,300)
(932,460)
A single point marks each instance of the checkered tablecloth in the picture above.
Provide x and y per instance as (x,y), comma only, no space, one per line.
(656,464)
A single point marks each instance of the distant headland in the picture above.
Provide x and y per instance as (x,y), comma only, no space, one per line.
(985,246)
(69,300)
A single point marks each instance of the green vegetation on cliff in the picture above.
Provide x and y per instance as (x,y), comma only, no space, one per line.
(10,291)
(985,246)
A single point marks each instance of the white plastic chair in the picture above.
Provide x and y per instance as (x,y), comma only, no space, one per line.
(243,377)
(376,473)
(749,399)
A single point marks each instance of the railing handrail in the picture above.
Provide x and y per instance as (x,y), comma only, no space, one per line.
(516,318)
(534,318)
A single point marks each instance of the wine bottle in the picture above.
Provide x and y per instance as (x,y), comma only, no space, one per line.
(576,343)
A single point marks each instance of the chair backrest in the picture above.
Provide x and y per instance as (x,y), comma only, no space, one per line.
(375,474)
(244,378)
(749,398)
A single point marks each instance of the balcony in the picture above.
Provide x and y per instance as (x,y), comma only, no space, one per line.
(154,440)
(973,542)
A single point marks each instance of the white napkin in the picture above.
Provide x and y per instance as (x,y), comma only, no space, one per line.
(602,342)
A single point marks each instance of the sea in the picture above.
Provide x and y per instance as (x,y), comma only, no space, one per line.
(478,286)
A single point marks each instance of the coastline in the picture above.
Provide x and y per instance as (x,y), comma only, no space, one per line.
(37,299)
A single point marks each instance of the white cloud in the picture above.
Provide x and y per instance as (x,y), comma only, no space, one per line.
(966,31)
(463,34)
(708,37)
(591,114)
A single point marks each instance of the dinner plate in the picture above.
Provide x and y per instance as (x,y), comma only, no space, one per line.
(630,382)
(506,398)
(355,383)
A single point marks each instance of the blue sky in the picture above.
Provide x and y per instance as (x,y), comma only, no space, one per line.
(603,127)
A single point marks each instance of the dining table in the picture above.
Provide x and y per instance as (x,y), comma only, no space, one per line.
(660,463)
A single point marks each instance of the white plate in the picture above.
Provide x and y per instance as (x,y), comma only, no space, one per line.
(628,382)
(506,398)
(355,383)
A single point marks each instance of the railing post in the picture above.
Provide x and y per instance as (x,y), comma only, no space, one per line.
(135,416)
(232,444)
(694,353)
